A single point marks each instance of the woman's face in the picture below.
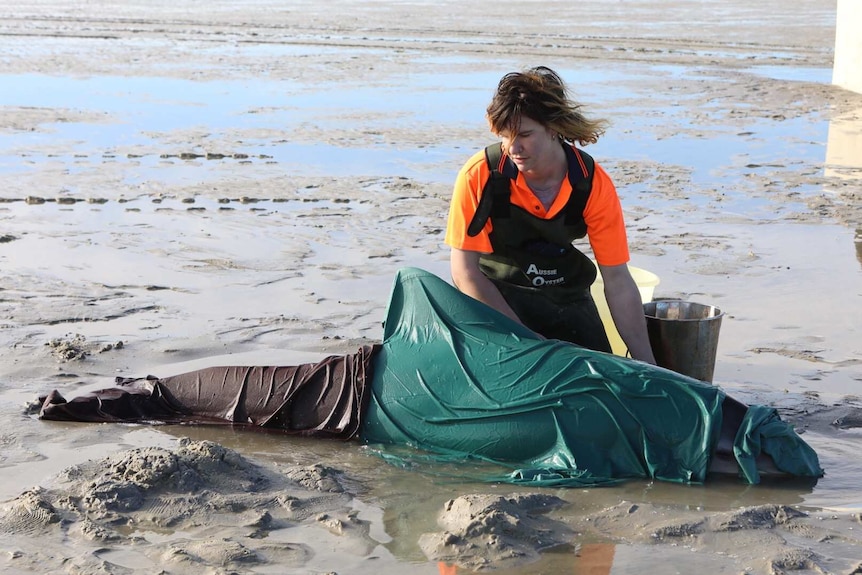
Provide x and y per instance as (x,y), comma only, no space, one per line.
(533,147)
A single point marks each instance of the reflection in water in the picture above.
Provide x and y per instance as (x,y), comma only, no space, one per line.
(595,559)
(844,157)
(844,146)
(589,559)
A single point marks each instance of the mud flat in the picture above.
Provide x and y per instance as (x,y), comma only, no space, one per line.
(186,186)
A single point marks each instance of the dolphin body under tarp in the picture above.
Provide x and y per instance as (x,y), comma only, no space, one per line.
(456,378)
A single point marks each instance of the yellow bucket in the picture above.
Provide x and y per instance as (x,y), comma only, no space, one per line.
(646,282)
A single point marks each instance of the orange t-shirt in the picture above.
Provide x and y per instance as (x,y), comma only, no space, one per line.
(603,214)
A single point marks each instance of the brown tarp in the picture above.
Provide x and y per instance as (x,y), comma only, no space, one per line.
(327,398)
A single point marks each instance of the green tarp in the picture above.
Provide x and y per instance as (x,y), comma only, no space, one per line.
(455,377)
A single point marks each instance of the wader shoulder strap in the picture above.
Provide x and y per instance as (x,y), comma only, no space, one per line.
(581,170)
(495,194)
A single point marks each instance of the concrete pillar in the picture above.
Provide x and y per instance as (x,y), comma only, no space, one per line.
(847,67)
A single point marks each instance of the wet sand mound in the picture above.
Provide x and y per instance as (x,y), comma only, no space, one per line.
(196,507)
(483,531)
(762,539)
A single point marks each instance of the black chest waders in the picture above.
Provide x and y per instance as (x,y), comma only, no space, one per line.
(542,276)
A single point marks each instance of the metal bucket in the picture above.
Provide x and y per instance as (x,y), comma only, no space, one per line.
(684,336)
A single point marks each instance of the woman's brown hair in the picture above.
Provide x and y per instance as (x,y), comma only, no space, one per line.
(541,95)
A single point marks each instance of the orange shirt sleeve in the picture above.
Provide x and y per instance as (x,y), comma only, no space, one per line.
(465,200)
(606,227)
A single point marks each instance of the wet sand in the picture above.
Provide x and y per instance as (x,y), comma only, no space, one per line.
(238,185)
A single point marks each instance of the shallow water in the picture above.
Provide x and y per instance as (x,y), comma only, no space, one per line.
(402,504)
(118,116)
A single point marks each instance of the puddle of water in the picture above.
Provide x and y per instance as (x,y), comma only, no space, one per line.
(794,73)
(138,112)
(839,489)
(61,450)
